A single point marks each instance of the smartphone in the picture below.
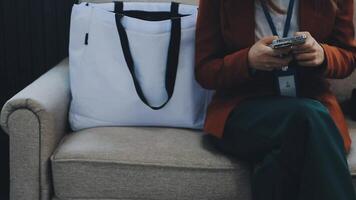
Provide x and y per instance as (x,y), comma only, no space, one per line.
(288,41)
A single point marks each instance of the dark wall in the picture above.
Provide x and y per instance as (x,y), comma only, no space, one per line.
(33,38)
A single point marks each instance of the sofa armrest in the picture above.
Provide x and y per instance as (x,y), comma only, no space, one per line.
(36,121)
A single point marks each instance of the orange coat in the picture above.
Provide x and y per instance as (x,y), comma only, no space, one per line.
(226,31)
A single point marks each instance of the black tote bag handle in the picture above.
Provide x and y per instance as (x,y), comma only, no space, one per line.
(172,58)
(147,15)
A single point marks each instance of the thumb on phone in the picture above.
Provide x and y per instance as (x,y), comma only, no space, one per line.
(268,40)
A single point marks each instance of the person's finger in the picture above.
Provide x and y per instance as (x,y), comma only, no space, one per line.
(300,33)
(273,63)
(270,52)
(268,67)
(305,57)
(268,40)
(285,59)
(301,51)
(277,66)
(307,63)
(279,62)
(309,44)
(274,54)
(283,51)
(278,53)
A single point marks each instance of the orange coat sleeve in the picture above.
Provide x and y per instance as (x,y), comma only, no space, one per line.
(214,69)
(340,49)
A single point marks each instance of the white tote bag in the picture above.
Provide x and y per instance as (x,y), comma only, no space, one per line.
(132,64)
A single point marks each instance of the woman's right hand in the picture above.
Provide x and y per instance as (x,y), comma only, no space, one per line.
(263,57)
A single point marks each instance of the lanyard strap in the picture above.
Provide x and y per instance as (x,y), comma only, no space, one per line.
(270,20)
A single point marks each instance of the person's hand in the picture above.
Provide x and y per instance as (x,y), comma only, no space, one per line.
(309,54)
(263,57)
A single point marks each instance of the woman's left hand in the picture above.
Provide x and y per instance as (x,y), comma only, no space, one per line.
(309,54)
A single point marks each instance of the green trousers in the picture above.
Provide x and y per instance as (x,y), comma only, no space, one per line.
(295,148)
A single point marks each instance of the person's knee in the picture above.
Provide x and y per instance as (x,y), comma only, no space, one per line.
(310,114)
(309,108)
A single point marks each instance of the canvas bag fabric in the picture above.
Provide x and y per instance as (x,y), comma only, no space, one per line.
(104,92)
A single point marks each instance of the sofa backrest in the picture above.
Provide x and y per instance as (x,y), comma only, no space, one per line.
(341,88)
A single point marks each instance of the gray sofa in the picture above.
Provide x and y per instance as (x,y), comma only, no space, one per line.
(47,161)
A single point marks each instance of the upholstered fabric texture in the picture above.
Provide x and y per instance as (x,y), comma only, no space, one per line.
(149,163)
(36,120)
(117,163)
(343,88)
(146,163)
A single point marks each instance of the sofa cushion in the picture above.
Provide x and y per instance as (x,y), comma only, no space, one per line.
(146,163)
(342,88)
